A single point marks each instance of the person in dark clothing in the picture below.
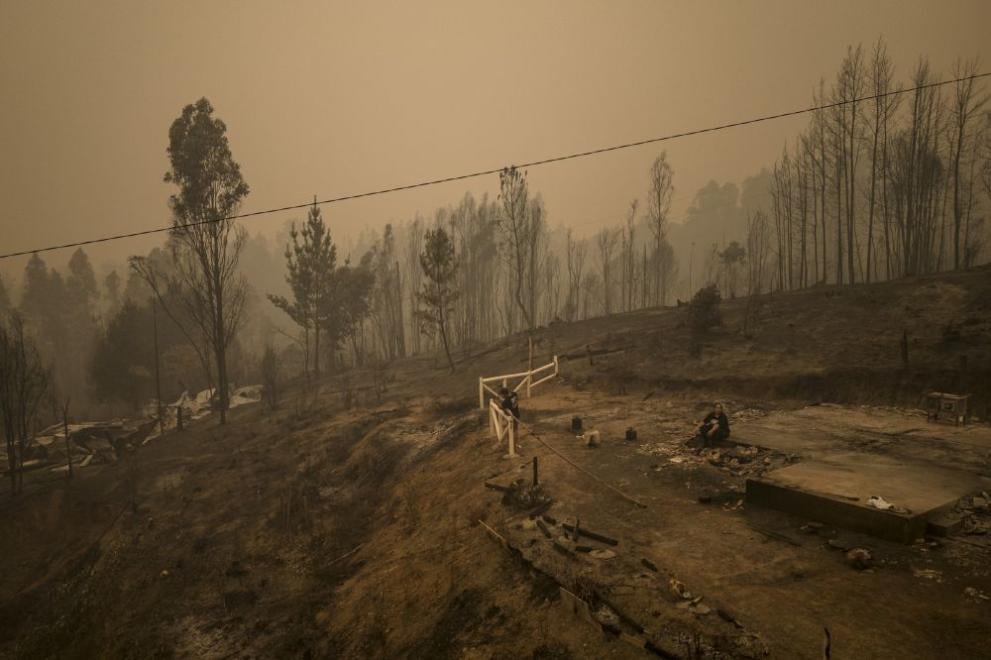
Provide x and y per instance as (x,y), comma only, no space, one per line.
(714,427)
(511,405)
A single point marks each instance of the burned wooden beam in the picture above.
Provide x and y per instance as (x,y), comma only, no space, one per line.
(591,535)
(540,509)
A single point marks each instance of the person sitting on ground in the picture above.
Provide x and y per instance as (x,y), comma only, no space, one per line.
(714,427)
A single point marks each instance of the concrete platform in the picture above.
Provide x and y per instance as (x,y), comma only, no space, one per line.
(835,492)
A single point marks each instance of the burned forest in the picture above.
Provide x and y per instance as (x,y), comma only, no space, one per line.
(535,330)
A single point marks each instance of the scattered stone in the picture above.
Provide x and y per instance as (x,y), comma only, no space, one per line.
(974,527)
(679,590)
(859,558)
(602,554)
(975,594)
(606,616)
(928,573)
(733,506)
(750,645)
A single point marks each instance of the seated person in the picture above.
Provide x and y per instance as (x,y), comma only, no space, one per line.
(714,427)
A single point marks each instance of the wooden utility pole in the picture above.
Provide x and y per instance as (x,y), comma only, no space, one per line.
(158,381)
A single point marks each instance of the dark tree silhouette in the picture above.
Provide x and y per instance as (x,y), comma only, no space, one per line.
(310,265)
(23,384)
(438,295)
(206,243)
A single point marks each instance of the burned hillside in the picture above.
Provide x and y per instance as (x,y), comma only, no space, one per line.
(385,529)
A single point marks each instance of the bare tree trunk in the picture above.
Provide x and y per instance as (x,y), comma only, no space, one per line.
(65,430)
(158,379)
(839,223)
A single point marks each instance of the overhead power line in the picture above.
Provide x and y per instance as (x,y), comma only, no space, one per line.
(472,175)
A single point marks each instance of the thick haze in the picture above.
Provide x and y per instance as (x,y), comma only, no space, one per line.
(336,98)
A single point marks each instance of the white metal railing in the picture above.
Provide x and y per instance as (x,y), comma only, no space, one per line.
(527,380)
(503,425)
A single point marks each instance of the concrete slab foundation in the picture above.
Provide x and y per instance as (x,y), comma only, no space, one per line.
(836,493)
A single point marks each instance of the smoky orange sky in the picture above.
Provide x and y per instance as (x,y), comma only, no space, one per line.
(332,98)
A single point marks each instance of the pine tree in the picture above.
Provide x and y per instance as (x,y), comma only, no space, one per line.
(311,262)
(438,295)
(82,280)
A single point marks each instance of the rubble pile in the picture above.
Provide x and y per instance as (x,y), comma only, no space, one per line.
(522,495)
(747,414)
(104,442)
(89,443)
(738,460)
(746,461)
(975,514)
